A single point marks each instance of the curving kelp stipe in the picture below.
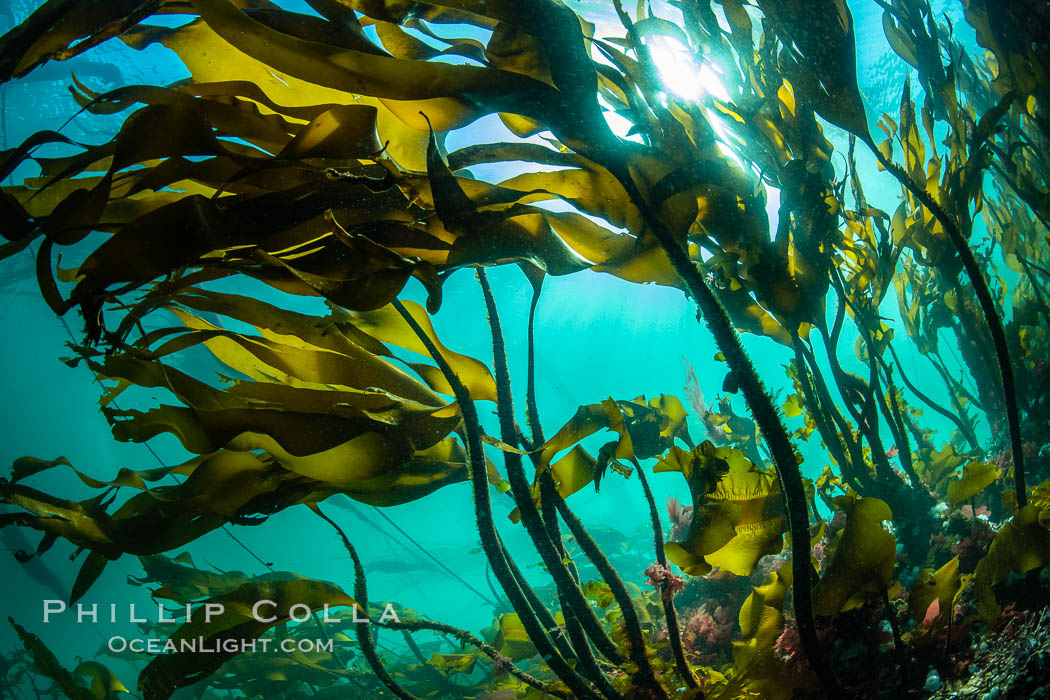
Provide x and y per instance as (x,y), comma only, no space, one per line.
(494,349)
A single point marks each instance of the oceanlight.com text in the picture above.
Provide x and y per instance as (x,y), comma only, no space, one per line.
(201,645)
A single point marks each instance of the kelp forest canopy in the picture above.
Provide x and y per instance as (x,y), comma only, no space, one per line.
(295,210)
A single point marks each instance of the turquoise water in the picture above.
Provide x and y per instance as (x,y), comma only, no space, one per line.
(597,336)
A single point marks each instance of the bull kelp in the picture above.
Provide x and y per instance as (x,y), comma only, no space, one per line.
(310,246)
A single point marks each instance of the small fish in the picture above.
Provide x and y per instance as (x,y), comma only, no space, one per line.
(16,541)
(932,612)
(61,71)
(498,695)
(400,565)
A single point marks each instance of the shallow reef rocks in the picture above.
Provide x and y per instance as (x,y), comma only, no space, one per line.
(290,211)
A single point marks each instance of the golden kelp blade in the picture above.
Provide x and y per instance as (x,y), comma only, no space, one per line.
(737,511)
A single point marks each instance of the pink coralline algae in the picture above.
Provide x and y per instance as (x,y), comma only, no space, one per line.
(789,645)
(705,629)
(663,580)
(968,511)
(1005,460)
(973,546)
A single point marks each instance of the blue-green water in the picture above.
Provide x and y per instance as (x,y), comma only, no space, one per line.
(597,336)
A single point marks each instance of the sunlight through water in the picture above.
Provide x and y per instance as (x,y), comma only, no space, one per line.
(682,74)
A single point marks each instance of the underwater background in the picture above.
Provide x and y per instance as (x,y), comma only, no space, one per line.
(597,335)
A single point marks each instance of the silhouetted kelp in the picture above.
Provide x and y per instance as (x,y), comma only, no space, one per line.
(308,156)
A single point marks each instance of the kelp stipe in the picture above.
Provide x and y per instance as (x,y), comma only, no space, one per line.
(362,632)
(743,372)
(568,586)
(306,154)
(988,309)
(674,632)
(489,537)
